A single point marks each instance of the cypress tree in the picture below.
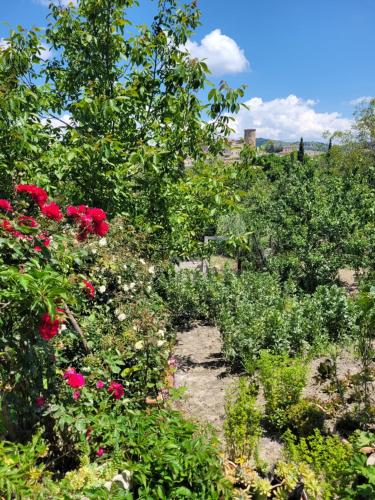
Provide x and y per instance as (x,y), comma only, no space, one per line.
(301,151)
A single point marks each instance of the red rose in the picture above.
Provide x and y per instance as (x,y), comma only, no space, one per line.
(90,290)
(116,389)
(25,220)
(76,380)
(101,228)
(6,205)
(52,211)
(37,194)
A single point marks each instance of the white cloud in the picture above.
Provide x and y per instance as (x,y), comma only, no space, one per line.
(45,53)
(221,53)
(59,122)
(288,118)
(4,44)
(361,100)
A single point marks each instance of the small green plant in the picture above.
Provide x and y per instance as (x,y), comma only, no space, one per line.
(304,417)
(283,380)
(328,456)
(242,424)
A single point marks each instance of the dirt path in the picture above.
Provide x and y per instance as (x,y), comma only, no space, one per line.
(202,370)
(204,373)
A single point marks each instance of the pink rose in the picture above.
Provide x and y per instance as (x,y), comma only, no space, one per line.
(76,395)
(99,384)
(100,452)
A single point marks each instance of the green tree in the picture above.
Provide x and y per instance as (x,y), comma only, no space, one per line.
(301,151)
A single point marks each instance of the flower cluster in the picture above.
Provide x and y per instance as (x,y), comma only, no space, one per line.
(37,194)
(48,327)
(90,220)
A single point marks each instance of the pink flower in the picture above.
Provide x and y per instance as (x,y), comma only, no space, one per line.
(76,380)
(69,372)
(99,384)
(76,395)
(100,452)
(6,205)
(116,389)
(40,401)
(37,248)
(52,211)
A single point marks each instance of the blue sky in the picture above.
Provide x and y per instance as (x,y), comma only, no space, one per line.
(304,61)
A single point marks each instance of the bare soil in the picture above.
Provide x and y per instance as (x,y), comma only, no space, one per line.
(202,370)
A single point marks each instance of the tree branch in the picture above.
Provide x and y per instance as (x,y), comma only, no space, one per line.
(76,327)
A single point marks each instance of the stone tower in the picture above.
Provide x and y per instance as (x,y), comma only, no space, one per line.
(250,137)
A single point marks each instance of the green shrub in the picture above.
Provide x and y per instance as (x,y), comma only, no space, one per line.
(242,421)
(304,417)
(283,380)
(327,456)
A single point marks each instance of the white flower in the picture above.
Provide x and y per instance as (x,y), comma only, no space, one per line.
(103,242)
(125,266)
(159,343)
(62,328)
(121,317)
(94,250)
(142,261)
(151,269)
(118,279)
(161,333)
(126,288)
(148,288)
(102,289)
(138,345)
(131,286)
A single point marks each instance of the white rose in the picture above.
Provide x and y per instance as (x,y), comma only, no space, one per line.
(160,333)
(148,288)
(138,345)
(121,317)
(62,328)
(102,289)
(94,250)
(151,269)
(125,288)
(131,286)
(159,343)
(142,261)
(103,242)
(125,266)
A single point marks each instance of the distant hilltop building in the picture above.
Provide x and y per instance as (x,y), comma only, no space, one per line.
(250,137)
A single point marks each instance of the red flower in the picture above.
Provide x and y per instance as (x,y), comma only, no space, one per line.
(101,228)
(116,389)
(100,452)
(52,211)
(90,220)
(6,225)
(40,401)
(37,194)
(75,380)
(99,384)
(6,205)
(48,328)
(25,220)
(90,290)
(37,248)
(97,214)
